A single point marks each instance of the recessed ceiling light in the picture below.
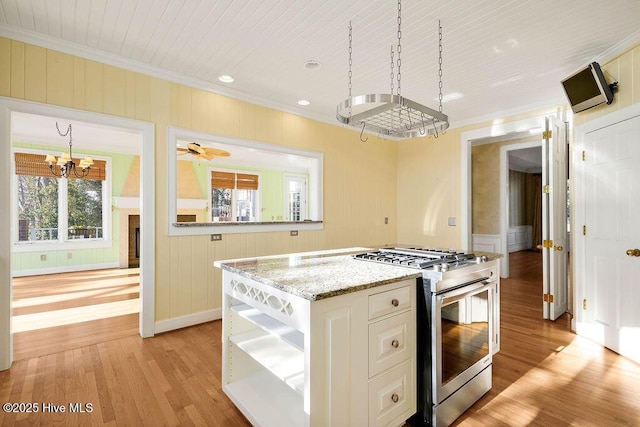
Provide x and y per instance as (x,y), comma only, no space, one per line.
(225,78)
(303,102)
(312,65)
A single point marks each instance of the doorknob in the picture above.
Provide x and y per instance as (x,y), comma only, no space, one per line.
(558,248)
(633,252)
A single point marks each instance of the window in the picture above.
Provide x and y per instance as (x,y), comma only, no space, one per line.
(51,209)
(85,209)
(234,197)
(37,208)
(190,192)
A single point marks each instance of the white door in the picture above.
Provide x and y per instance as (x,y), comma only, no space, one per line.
(554,218)
(611,297)
(295,200)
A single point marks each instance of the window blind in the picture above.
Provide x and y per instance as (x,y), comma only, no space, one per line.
(230,180)
(34,165)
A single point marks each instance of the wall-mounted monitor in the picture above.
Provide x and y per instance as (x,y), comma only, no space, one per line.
(587,88)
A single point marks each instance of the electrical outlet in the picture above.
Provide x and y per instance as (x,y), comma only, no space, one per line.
(216,237)
(452,221)
(386,220)
(293,233)
(43,257)
(69,255)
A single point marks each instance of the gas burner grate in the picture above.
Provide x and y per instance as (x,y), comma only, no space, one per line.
(418,258)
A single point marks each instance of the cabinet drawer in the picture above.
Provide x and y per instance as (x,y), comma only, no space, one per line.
(391,395)
(390,342)
(388,302)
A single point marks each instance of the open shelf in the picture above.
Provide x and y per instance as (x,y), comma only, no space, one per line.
(283,360)
(271,325)
(266,401)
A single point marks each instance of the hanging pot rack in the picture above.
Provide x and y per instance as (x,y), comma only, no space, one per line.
(388,114)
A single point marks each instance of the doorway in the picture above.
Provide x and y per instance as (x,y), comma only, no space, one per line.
(497,241)
(145,131)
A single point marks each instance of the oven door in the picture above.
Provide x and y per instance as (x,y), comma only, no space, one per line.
(462,325)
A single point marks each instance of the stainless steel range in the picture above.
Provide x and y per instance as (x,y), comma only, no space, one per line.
(457,328)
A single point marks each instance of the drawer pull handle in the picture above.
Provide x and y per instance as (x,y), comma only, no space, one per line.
(395,302)
(395,397)
(395,343)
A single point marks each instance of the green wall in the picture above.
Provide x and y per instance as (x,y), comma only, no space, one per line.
(56,258)
(271,186)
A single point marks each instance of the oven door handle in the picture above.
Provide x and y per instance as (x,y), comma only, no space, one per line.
(466,290)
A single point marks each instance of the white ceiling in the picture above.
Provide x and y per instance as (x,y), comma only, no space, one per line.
(502,56)
(527,160)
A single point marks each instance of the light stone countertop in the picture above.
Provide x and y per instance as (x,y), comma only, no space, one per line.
(318,275)
(324,274)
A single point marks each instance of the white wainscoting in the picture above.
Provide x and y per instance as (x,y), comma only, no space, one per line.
(519,238)
(486,243)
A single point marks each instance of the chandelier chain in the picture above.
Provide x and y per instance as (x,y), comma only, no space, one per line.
(399,43)
(68,132)
(440,64)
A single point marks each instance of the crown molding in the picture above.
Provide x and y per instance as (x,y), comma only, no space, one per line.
(75,49)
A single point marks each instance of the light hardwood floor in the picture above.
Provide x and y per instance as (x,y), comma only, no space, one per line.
(57,312)
(543,376)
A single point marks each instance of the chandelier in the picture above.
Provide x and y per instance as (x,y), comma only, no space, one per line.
(390,114)
(65,163)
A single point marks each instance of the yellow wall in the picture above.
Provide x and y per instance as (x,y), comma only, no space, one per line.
(359,179)
(429,185)
(429,190)
(429,169)
(485,193)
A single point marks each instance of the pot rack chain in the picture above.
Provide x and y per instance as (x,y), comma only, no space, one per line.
(385,113)
(350,63)
(399,45)
(440,65)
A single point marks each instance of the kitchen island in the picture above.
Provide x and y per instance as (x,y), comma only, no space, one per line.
(319,339)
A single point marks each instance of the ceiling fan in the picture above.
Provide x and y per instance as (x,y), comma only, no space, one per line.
(203,153)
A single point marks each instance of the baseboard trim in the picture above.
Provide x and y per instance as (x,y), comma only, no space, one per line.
(188,320)
(65,269)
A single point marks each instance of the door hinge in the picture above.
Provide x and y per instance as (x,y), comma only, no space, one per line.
(546,189)
(547,244)
(584,230)
(546,134)
(584,155)
(584,304)
(547,297)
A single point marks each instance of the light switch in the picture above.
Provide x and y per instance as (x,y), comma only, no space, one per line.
(452,221)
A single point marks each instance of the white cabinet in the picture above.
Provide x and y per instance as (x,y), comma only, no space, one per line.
(295,362)
(392,356)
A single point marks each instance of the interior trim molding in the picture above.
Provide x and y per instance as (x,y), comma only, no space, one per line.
(64,269)
(188,320)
